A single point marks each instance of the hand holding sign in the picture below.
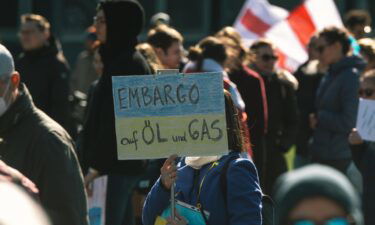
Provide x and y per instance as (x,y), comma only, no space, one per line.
(169,172)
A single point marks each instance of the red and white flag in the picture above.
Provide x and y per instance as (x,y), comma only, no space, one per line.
(289,31)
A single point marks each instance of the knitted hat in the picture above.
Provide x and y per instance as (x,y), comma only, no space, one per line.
(6,62)
(312,181)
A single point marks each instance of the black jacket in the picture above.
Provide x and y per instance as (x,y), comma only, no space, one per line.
(46,73)
(38,147)
(282,125)
(364,158)
(119,58)
(308,80)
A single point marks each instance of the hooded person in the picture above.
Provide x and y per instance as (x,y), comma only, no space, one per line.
(316,194)
(117,23)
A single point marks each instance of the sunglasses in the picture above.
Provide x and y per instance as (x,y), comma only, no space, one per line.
(267,57)
(366,92)
(334,221)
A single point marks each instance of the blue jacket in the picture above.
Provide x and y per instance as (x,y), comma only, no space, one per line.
(243,193)
(336,105)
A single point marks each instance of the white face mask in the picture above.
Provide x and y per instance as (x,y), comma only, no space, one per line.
(3,104)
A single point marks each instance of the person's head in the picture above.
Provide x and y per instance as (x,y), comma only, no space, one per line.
(9,80)
(118,23)
(368,52)
(159,18)
(316,194)
(358,22)
(148,52)
(167,43)
(264,56)
(333,44)
(367,85)
(18,208)
(208,48)
(236,52)
(231,33)
(34,31)
(234,131)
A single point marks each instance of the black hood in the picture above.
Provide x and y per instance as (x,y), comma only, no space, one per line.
(124,20)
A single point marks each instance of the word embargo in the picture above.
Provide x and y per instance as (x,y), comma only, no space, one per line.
(141,97)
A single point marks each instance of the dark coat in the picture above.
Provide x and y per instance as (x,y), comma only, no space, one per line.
(364,158)
(336,104)
(308,83)
(42,150)
(46,73)
(282,124)
(119,59)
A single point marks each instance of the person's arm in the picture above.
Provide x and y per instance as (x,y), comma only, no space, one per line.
(59,106)
(157,199)
(156,202)
(358,147)
(60,182)
(290,120)
(244,195)
(344,120)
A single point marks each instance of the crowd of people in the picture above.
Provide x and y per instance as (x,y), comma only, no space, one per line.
(57,127)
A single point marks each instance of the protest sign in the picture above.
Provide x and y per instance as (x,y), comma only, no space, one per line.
(366,119)
(157,116)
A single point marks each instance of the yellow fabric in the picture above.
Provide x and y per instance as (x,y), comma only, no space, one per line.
(160,221)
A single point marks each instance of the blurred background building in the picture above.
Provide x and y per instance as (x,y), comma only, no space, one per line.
(193,18)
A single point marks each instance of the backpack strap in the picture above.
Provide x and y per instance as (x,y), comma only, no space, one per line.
(223,176)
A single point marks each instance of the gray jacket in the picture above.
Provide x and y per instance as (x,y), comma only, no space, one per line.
(336,108)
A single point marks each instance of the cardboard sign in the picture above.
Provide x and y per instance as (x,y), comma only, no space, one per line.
(157,116)
(366,119)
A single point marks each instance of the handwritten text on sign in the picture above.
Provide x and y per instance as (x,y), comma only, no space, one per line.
(157,116)
(366,119)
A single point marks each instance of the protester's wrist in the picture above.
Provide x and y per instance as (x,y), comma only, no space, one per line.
(163,185)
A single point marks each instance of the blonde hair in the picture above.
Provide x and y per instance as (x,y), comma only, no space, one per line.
(367,47)
(369,76)
(163,36)
(148,52)
(41,22)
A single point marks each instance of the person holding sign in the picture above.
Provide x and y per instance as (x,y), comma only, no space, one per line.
(118,24)
(222,189)
(363,152)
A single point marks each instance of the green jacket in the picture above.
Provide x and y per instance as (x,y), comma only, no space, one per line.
(41,149)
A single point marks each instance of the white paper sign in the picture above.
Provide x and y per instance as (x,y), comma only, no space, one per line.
(366,119)
(96,202)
